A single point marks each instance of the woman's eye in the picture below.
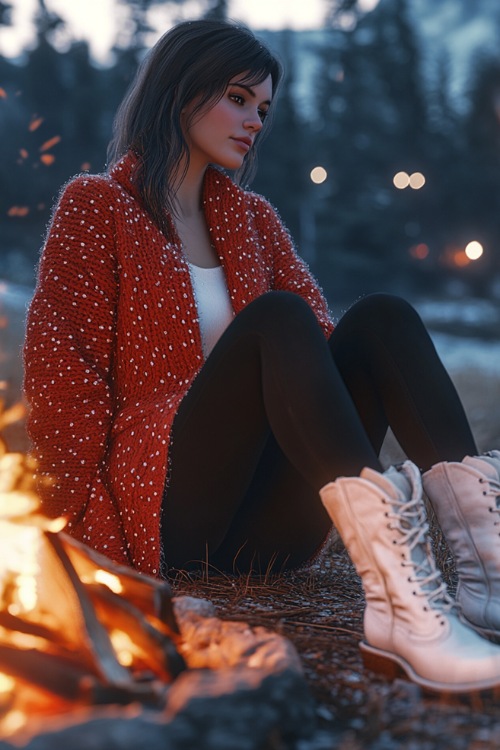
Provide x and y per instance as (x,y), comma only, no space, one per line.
(263,113)
(237,98)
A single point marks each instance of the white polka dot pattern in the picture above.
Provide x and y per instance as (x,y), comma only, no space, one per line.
(113,344)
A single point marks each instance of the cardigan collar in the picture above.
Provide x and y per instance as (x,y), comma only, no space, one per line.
(218,189)
(226,217)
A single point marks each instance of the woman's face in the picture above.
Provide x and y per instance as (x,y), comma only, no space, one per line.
(225,133)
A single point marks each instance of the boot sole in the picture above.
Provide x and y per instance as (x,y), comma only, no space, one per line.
(394,666)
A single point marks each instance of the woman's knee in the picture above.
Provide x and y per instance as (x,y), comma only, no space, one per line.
(383,311)
(278,309)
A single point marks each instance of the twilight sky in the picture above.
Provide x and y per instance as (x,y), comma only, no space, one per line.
(95,19)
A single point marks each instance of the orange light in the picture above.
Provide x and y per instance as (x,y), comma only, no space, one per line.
(35,123)
(18,211)
(420,251)
(23,153)
(51,142)
(47,159)
(3,93)
(460,259)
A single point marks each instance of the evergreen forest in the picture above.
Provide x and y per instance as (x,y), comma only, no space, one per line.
(411,178)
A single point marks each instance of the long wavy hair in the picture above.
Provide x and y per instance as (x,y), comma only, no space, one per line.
(194,60)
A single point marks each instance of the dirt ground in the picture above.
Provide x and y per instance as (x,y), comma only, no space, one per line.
(321,612)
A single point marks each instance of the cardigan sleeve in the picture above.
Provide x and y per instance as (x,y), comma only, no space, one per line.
(68,361)
(290,271)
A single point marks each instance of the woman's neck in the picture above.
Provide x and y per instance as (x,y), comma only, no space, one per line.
(188,198)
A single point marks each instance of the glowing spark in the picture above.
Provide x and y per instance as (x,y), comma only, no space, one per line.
(3,93)
(18,211)
(23,153)
(51,142)
(35,123)
(47,159)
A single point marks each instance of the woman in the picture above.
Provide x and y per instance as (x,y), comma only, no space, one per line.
(189,396)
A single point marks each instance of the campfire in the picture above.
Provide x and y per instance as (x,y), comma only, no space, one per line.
(74,628)
(80,635)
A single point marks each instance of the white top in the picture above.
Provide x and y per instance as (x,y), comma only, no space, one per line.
(214,305)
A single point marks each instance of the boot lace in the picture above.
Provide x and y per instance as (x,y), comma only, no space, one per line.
(410,522)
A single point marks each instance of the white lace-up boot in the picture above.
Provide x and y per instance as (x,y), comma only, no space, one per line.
(410,621)
(466,500)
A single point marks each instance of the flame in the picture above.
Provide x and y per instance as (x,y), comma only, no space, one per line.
(13,722)
(19,566)
(7,683)
(123,646)
(108,579)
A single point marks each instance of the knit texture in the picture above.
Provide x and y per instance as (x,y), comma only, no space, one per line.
(113,344)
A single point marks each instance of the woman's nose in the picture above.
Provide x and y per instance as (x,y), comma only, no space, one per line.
(253,123)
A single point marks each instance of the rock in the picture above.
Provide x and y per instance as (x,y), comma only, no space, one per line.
(243,690)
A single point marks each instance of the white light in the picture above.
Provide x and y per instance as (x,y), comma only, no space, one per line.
(417,180)
(401,180)
(474,250)
(318,175)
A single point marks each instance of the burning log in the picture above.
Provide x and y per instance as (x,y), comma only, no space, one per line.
(74,627)
(81,635)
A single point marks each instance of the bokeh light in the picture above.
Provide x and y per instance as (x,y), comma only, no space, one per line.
(474,250)
(318,175)
(417,180)
(401,180)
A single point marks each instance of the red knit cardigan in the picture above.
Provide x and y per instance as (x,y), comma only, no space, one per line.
(113,344)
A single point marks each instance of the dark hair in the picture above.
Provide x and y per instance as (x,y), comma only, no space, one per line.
(193,59)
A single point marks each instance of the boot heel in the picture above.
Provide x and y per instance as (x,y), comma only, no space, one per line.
(377,662)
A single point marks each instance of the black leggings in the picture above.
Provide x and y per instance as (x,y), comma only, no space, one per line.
(277,411)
